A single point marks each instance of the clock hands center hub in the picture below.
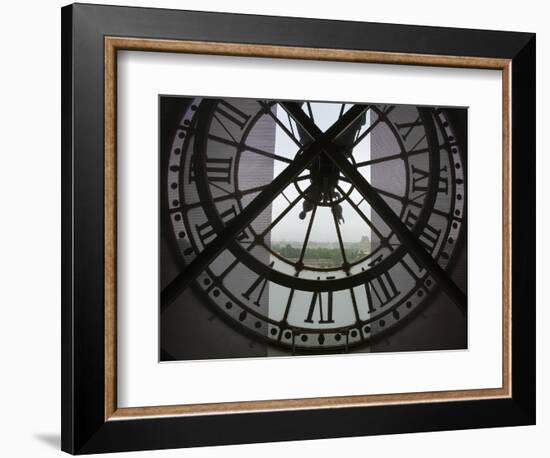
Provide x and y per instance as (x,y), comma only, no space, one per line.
(324,178)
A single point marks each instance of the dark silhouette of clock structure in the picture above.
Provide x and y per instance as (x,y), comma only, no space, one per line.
(314,227)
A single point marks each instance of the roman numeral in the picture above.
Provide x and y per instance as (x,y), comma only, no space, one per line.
(428,237)
(317,299)
(420,179)
(380,291)
(217,170)
(259,284)
(206,232)
(406,128)
(232,114)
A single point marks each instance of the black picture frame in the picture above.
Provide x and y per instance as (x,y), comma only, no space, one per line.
(85,428)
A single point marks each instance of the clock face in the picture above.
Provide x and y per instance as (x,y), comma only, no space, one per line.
(314,227)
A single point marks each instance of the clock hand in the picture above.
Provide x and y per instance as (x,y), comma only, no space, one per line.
(337,211)
(256,206)
(308,205)
(374,199)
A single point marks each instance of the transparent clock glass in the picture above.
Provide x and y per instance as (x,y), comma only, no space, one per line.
(301,228)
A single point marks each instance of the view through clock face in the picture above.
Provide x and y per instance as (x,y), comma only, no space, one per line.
(292,227)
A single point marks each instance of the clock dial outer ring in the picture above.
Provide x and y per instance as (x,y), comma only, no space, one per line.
(358,327)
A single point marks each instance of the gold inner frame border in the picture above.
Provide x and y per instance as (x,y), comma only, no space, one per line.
(114,44)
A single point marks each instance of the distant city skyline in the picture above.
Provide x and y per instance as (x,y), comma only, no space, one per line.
(363,241)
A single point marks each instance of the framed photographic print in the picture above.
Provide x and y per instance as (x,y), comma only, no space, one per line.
(272,221)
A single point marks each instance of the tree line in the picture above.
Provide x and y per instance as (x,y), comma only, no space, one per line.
(319,253)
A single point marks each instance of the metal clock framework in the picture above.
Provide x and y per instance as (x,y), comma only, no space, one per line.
(416,232)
